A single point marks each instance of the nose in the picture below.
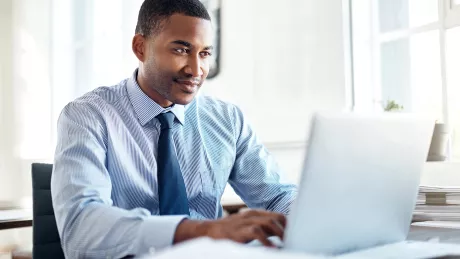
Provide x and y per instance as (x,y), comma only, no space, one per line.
(194,67)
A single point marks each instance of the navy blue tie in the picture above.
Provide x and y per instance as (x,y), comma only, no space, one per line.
(171,187)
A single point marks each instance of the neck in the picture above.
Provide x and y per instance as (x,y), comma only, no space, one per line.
(150,92)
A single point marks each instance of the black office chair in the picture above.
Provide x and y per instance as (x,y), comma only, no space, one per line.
(46,241)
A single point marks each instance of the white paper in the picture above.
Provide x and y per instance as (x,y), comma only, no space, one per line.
(440,189)
(206,248)
(438,224)
(15,214)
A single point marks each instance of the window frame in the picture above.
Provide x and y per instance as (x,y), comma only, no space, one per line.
(370,99)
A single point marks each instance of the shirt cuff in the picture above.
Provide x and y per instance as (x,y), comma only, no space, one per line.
(157,232)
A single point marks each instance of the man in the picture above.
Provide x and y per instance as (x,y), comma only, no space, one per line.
(143,164)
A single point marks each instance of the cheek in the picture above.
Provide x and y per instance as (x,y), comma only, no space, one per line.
(170,62)
(205,68)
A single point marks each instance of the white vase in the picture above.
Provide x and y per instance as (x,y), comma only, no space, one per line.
(439,142)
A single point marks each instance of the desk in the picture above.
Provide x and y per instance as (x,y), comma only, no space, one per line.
(17,218)
(15,223)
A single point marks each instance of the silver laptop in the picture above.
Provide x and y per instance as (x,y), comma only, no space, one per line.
(359,182)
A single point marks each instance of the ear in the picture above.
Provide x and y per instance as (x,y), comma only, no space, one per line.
(139,46)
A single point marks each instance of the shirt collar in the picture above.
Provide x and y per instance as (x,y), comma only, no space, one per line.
(146,109)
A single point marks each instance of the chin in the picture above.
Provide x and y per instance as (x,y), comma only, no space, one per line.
(184,100)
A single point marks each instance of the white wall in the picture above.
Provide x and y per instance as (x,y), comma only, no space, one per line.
(280,62)
(6,116)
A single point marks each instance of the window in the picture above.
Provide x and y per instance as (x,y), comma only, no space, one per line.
(407,51)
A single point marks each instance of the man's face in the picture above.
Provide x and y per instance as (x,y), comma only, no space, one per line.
(176,60)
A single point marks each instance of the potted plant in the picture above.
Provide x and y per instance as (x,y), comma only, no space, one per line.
(439,140)
(439,143)
(392,106)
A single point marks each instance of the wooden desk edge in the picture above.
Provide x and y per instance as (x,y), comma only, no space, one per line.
(233,208)
(15,223)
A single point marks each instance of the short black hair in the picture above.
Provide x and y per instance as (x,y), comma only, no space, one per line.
(154,12)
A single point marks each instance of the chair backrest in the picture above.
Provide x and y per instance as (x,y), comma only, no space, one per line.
(46,241)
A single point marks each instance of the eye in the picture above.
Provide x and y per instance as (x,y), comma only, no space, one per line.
(206,54)
(181,50)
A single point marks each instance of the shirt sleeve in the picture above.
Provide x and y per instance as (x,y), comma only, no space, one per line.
(88,223)
(255,176)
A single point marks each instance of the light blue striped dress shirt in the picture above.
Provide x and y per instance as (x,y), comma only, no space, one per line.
(104,184)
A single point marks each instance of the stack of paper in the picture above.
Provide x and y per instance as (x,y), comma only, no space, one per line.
(438,203)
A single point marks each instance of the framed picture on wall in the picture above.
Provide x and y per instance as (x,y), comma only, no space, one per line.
(214,9)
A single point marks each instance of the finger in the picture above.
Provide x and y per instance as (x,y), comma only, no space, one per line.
(270,226)
(256,232)
(280,218)
(280,226)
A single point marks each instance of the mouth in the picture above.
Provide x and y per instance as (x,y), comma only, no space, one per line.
(187,86)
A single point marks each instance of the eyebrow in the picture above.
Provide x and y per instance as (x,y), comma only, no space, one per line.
(189,45)
(182,42)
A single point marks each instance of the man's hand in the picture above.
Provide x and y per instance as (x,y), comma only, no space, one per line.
(242,227)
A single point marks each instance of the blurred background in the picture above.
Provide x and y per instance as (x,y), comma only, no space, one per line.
(277,60)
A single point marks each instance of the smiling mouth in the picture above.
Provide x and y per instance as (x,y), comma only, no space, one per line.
(188,87)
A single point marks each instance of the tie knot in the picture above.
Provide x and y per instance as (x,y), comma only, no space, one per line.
(166,119)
